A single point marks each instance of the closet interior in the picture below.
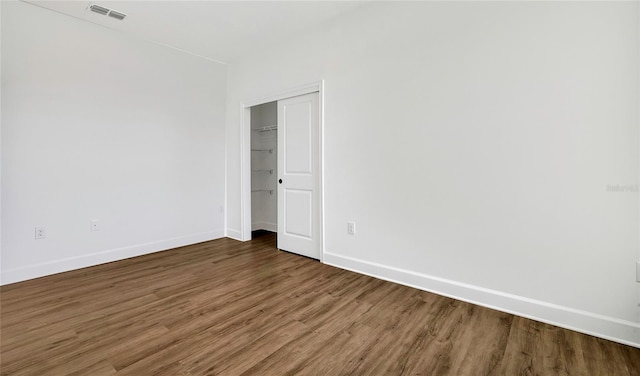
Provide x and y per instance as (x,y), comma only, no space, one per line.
(264,164)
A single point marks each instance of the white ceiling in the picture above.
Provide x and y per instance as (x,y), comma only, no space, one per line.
(217,30)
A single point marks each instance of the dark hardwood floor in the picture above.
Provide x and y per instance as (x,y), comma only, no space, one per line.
(231,308)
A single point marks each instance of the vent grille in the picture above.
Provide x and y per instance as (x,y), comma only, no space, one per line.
(106,12)
(98,9)
(117,15)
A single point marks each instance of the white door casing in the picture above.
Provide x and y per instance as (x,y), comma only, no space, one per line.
(299,175)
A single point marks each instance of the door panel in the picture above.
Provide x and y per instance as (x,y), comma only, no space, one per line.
(297,139)
(298,170)
(298,204)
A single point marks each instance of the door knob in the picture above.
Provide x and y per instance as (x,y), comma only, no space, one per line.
(280,181)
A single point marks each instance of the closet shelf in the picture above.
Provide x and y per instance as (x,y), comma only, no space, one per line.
(263,190)
(266,128)
(265,150)
(269,171)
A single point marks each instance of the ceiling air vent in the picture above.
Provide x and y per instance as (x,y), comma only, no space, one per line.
(106,12)
(98,9)
(117,15)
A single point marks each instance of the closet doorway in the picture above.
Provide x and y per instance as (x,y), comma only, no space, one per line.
(282,169)
(264,167)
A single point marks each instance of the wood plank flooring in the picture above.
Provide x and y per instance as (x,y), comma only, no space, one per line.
(230,308)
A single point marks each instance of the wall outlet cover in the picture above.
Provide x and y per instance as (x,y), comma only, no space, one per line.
(351,228)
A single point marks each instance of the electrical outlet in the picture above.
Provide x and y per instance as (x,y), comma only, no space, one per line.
(40,233)
(351,228)
(94,225)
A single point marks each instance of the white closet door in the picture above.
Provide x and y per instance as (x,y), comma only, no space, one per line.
(299,175)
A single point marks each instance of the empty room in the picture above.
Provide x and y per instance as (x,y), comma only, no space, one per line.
(320,188)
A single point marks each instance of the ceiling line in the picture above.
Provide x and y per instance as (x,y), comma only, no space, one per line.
(132,35)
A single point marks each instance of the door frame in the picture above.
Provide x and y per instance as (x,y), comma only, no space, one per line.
(245,154)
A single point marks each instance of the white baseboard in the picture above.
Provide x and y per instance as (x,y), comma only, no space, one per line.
(273,227)
(622,331)
(72,263)
(234,234)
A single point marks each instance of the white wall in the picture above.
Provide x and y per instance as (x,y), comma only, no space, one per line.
(473,144)
(0,143)
(99,125)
